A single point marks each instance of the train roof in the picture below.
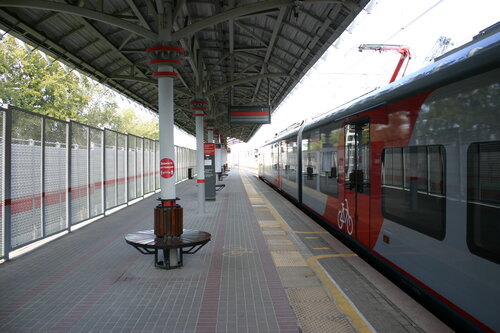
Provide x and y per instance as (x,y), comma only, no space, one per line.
(479,55)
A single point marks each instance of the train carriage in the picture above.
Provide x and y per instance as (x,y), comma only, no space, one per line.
(411,174)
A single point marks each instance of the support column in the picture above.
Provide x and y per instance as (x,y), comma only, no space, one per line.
(168,215)
(199,106)
(166,119)
(210,125)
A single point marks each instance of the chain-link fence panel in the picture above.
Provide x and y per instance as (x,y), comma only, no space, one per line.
(132,170)
(111,168)
(193,162)
(79,173)
(26,196)
(122,167)
(96,171)
(146,166)
(55,171)
(151,166)
(157,164)
(145,178)
(140,167)
(176,163)
(125,166)
(184,163)
(2,153)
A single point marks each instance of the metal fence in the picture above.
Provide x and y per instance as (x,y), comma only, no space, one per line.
(56,174)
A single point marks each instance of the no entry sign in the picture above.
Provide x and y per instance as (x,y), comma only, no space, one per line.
(166,168)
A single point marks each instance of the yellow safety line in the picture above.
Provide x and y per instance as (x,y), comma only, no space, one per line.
(321,248)
(344,305)
(283,223)
(323,256)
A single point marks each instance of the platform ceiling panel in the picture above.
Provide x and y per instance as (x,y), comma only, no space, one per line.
(248,52)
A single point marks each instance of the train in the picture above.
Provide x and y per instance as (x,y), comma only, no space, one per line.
(409,175)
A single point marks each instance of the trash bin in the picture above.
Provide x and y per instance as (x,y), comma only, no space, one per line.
(190,173)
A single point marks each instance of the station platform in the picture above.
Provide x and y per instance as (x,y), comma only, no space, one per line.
(268,268)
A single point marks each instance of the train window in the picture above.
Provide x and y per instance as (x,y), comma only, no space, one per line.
(413,190)
(436,165)
(275,156)
(483,200)
(357,157)
(393,172)
(283,157)
(387,169)
(311,146)
(329,181)
(397,167)
(289,153)
(406,168)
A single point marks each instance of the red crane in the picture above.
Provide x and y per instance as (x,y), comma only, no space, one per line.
(403,50)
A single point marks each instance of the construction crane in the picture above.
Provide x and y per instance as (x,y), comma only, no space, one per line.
(439,48)
(403,50)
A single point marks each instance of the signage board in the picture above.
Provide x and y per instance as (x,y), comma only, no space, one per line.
(249,114)
(166,168)
(218,158)
(209,164)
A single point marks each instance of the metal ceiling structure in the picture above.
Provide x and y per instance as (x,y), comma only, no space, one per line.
(239,52)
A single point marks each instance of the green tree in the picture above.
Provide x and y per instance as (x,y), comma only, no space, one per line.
(30,83)
(129,122)
(101,110)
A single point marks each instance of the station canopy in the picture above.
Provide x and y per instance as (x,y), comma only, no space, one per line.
(241,52)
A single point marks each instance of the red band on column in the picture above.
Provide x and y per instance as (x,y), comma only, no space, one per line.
(169,61)
(165,74)
(168,203)
(200,181)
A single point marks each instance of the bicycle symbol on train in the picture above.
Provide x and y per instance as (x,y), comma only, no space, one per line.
(344,218)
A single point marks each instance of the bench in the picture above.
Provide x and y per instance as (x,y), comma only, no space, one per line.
(146,242)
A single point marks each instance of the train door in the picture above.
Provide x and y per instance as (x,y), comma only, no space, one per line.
(354,216)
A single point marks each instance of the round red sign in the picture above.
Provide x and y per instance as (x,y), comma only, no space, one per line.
(166,168)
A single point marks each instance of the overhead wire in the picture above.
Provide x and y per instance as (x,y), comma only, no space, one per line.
(418,17)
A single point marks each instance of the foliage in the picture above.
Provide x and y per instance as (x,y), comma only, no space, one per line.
(101,110)
(129,122)
(28,81)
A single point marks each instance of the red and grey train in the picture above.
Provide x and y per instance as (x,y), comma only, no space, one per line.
(410,175)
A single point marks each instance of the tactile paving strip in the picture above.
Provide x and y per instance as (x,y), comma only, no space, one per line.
(268,233)
(337,325)
(262,215)
(305,295)
(319,310)
(269,224)
(279,241)
(288,258)
(315,310)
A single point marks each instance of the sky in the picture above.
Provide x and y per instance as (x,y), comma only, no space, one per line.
(344,73)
